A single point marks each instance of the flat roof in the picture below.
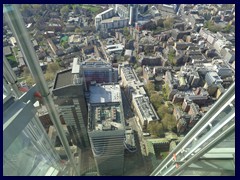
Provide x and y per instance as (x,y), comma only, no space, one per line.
(128,74)
(146,108)
(105,93)
(76,66)
(63,78)
(115,46)
(106,117)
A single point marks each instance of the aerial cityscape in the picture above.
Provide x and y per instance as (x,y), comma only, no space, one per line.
(119,90)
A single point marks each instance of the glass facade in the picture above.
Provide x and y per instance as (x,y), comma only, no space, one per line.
(30,155)
(97,76)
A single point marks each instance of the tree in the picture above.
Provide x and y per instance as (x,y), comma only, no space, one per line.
(227,28)
(165,91)
(25,6)
(156,100)
(139,71)
(212,27)
(49,76)
(168,23)
(64,10)
(26,71)
(36,6)
(150,87)
(162,110)
(29,80)
(126,32)
(65,44)
(171,57)
(53,67)
(156,128)
(169,122)
(78,30)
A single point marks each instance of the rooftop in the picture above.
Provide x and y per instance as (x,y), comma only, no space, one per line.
(93,62)
(105,93)
(145,107)
(105,118)
(128,74)
(63,78)
(105,109)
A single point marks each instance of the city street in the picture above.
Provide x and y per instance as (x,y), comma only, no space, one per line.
(140,155)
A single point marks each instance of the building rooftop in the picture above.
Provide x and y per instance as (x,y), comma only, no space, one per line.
(128,74)
(104,12)
(95,62)
(112,19)
(146,109)
(76,66)
(63,78)
(105,93)
(105,118)
(105,110)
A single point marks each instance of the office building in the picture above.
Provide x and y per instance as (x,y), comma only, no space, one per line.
(106,128)
(69,96)
(133,14)
(96,70)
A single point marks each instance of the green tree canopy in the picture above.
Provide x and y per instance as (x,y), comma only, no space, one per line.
(29,80)
(64,10)
(162,110)
(53,67)
(156,128)
(168,23)
(26,71)
(49,76)
(78,30)
(139,71)
(212,26)
(126,32)
(169,122)
(171,57)
(150,87)
(156,99)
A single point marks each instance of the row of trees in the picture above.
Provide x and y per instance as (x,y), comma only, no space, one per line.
(171,57)
(164,111)
(164,25)
(217,28)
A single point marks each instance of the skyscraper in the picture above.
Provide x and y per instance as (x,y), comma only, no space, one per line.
(106,128)
(133,14)
(69,92)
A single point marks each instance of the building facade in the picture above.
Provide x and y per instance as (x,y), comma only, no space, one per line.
(106,128)
(69,96)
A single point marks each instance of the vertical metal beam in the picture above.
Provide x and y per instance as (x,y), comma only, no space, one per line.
(12,79)
(10,76)
(16,23)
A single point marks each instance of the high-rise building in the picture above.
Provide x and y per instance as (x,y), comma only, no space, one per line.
(133,14)
(106,128)
(69,96)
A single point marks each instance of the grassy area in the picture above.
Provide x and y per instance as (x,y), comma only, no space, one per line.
(93,9)
(11,57)
(164,154)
